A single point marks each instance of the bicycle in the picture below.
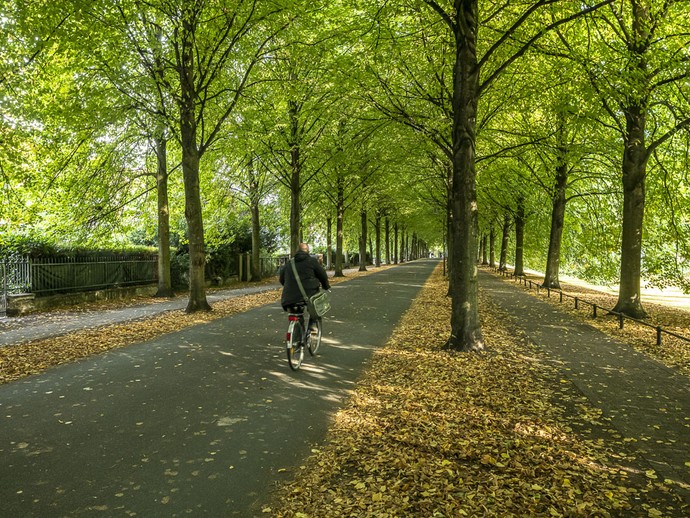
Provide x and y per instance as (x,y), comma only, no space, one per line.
(296,338)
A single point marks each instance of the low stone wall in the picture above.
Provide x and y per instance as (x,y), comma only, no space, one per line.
(23,303)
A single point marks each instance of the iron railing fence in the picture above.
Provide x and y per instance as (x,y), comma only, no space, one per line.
(3,293)
(52,275)
(578,301)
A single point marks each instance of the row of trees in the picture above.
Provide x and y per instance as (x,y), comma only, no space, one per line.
(452,120)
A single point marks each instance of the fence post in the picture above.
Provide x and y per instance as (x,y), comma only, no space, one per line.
(575,302)
(658,335)
(548,292)
(594,311)
(621,320)
(561,296)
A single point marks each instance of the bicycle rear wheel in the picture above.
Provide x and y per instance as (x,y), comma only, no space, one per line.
(295,350)
(314,338)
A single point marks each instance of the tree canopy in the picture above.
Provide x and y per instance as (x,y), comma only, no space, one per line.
(128,122)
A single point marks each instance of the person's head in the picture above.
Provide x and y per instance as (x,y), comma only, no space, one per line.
(303,247)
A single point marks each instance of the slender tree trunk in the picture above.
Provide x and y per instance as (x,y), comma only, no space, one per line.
(329,242)
(635,158)
(519,237)
(466,334)
(363,242)
(388,241)
(377,227)
(395,243)
(340,211)
(449,240)
(256,242)
(164,277)
(295,178)
(492,247)
(485,243)
(190,174)
(505,238)
(553,259)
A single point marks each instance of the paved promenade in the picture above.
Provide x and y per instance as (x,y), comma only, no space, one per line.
(201,422)
(645,400)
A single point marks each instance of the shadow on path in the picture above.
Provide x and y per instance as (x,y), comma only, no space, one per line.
(645,400)
(199,422)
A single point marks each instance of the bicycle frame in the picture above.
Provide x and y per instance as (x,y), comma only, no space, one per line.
(295,317)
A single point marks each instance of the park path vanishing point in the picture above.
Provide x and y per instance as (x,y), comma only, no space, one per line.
(203,421)
(644,400)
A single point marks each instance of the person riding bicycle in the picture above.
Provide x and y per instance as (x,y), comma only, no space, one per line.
(310,272)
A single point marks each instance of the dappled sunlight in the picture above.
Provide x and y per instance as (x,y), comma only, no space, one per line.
(427,430)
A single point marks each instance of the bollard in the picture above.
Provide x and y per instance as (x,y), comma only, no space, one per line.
(548,292)
(594,311)
(658,335)
(575,302)
(621,320)
(561,296)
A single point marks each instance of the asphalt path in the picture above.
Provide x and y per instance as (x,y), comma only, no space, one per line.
(201,422)
(645,400)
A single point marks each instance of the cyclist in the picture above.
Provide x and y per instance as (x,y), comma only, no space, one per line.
(312,275)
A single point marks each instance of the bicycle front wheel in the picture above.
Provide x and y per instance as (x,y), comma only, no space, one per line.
(314,340)
(295,351)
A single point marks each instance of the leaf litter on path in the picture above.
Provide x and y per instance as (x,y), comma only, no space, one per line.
(441,434)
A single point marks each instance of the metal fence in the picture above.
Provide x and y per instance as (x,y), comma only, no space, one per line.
(522,279)
(3,293)
(45,276)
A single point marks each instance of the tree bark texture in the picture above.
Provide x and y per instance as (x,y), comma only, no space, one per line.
(256,241)
(377,227)
(492,246)
(505,238)
(363,242)
(634,174)
(466,334)
(520,238)
(558,203)
(340,216)
(388,240)
(295,179)
(164,277)
(190,173)
(395,243)
(329,242)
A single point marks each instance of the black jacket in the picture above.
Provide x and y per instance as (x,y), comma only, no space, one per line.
(310,272)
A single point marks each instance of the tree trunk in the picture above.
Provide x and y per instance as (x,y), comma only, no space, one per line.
(465,334)
(190,174)
(553,259)
(519,238)
(295,179)
(377,226)
(485,243)
(340,211)
(492,247)
(634,172)
(395,243)
(164,277)
(388,241)
(329,243)
(363,243)
(505,238)
(256,242)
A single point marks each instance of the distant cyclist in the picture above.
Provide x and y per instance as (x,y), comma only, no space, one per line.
(310,272)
